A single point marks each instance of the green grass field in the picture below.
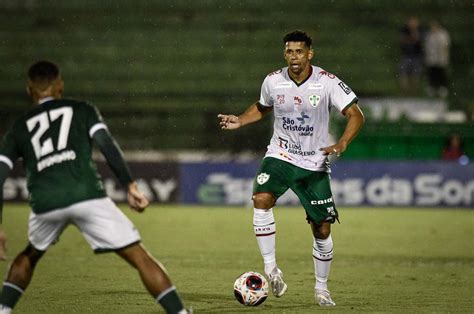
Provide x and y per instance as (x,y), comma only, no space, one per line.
(388,260)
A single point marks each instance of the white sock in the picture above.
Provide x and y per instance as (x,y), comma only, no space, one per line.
(265,228)
(322,258)
(5,309)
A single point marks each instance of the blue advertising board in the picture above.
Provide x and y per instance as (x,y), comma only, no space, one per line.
(354,183)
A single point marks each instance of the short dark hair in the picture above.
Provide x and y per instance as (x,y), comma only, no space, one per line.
(298,36)
(43,71)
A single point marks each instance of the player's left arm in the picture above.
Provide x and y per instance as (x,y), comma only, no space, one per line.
(355,121)
(112,153)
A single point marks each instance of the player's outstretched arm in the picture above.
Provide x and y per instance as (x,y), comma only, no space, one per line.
(114,157)
(136,199)
(355,120)
(253,114)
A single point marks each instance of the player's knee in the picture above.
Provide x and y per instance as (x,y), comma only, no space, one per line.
(322,231)
(323,234)
(32,255)
(135,255)
(263,200)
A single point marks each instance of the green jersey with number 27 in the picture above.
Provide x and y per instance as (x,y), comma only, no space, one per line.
(55,141)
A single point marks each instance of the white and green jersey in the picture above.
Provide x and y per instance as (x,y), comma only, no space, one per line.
(301,113)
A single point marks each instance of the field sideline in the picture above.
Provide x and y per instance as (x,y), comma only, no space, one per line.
(389,260)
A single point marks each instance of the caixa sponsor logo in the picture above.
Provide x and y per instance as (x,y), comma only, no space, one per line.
(322,202)
(426,189)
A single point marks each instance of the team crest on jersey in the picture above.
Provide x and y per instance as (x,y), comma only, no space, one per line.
(314,100)
(263,178)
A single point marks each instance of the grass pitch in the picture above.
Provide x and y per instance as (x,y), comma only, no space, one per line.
(386,260)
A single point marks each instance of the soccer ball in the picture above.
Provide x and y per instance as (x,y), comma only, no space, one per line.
(251,288)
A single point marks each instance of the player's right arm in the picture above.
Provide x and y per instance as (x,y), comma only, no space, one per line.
(99,132)
(253,114)
(112,153)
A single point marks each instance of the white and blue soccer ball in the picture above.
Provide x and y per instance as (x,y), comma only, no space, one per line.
(251,288)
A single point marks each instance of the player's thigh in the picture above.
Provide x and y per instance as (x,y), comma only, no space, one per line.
(314,191)
(272,177)
(45,229)
(104,226)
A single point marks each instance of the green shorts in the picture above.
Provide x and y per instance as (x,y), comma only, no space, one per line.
(312,188)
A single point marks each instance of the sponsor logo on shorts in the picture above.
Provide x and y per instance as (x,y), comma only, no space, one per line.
(263,178)
(322,202)
(331,211)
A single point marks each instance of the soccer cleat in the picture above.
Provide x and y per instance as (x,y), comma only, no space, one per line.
(323,298)
(279,287)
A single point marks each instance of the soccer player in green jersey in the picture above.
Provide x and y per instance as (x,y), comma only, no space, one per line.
(301,97)
(55,141)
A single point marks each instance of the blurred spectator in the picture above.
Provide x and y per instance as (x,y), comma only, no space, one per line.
(453,148)
(437,44)
(411,55)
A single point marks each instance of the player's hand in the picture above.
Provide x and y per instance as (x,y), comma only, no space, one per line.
(136,199)
(3,248)
(336,149)
(229,121)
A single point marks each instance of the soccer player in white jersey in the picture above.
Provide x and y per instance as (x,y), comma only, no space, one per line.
(301,97)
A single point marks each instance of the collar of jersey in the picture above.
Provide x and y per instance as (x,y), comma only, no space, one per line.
(304,81)
(46,99)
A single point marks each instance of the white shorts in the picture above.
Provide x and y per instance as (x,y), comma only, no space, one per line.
(100,221)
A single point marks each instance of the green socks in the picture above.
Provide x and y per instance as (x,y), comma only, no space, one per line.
(10,294)
(170,301)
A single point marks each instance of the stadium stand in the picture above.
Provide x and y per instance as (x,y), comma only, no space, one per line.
(161,71)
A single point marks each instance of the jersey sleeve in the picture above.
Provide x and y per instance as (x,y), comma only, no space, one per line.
(8,149)
(94,119)
(341,96)
(265,98)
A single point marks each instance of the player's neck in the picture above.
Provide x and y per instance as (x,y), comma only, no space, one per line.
(40,99)
(303,76)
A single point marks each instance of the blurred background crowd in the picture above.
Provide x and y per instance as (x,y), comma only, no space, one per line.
(160,71)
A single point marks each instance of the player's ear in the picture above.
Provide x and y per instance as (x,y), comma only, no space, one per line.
(61,86)
(58,87)
(29,90)
(310,54)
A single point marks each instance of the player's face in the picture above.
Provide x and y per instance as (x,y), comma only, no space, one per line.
(298,56)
